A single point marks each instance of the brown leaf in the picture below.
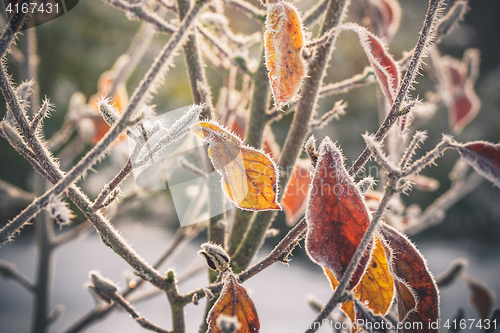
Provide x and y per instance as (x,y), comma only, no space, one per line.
(249,177)
(484,157)
(283,45)
(336,215)
(234,302)
(481,297)
(416,292)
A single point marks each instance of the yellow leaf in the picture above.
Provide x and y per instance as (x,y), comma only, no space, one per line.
(376,288)
(249,177)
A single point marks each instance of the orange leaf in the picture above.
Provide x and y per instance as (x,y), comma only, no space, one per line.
(234,302)
(249,177)
(416,292)
(337,217)
(294,200)
(283,47)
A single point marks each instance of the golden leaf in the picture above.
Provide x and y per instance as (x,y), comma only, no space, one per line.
(249,177)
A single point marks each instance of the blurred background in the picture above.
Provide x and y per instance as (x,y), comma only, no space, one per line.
(75,49)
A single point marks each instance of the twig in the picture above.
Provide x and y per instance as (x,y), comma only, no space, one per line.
(12,28)
(239,62)
(135,315)
(177,307)
(407,81)
(434,214)
(359,80)
(142,13)
(315,13)
(196,71)
(9,270)
(274,256)
(71,234)
(248,9)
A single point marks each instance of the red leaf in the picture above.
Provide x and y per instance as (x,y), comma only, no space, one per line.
(234,302)
(458,78)
(416,292)
(386,16)
(484,157)
(385,68)
(336,214)
(463,109)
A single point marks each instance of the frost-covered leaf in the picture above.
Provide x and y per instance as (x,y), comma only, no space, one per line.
(337,217)
(234,302)
(385,67)
(376,288)
(249,177)
(458,79)
(416,292)
(386,15)
(484,157)
(283,42)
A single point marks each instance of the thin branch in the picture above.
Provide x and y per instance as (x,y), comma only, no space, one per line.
(359,80)
(135,315)
(15,23)
(248,9)
(72,234)
(142,13)
(9,270)
(239,62)
(280,252)
(407,81)
(435,213)
(315,13)
(177,308)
